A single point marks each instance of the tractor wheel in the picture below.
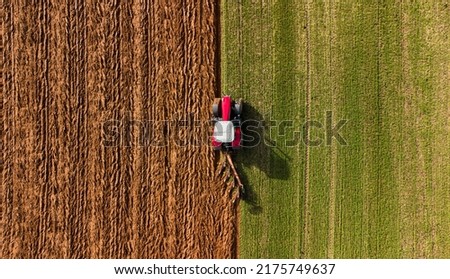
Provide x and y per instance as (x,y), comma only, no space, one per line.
(238,106)
(216,107)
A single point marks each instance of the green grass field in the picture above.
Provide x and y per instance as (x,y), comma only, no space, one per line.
(384,67)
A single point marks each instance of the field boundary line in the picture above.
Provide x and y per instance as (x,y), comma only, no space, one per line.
(332,200)
(308,116)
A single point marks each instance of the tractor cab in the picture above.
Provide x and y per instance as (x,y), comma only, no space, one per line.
(224,131)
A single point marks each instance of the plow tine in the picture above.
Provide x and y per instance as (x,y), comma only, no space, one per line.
(236,175)
(222,168)
(231,172)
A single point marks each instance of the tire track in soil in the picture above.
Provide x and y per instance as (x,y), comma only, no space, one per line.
(44,104)
(65,193)
(23,236)
(156,173)
(7,115)
(59,124)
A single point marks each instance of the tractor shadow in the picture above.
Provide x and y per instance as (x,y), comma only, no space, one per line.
(260,152)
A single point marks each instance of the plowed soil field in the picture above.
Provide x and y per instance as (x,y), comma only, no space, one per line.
(100,155)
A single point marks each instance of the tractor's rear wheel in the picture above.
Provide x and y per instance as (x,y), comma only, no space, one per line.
(238,106)
(216,107)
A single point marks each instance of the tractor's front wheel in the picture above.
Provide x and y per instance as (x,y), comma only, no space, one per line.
(238,106)
(216,107)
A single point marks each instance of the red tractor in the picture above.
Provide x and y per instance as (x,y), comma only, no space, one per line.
(227,124)
(227,134)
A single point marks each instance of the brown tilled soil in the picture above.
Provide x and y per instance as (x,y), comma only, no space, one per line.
(90,167)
